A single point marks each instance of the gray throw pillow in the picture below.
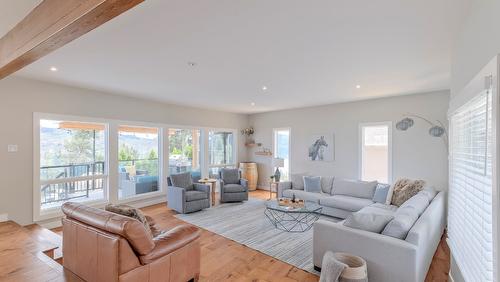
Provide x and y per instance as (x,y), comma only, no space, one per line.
(381,192)
(368,221)
(419,202)
(403,221)
(312,184)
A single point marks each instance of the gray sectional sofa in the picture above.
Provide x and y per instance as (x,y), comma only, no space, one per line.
(402,249)
(338,197)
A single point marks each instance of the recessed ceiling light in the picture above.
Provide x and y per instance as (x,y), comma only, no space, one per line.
(264,88)
(191,64)
(53,69)
(358,86)
(252,104)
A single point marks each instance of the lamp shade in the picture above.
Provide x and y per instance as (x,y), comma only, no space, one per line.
(278,162)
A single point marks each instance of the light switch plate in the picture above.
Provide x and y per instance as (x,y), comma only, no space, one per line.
(11,148)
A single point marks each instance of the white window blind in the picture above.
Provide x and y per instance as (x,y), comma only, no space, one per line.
(470,218)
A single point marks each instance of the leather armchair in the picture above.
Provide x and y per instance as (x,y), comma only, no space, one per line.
(102,246)
(233,188)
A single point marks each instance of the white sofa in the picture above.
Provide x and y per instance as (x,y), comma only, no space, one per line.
(388,259)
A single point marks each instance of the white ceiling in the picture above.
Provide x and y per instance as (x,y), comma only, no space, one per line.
(306,52)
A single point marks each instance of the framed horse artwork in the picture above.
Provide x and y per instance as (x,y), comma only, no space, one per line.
(322,148)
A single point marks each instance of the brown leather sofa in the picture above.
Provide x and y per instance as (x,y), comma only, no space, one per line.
(102,246)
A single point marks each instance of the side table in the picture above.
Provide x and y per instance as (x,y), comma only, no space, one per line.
(276,185)
(212,182)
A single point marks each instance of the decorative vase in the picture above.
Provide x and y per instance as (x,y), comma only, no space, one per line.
(277,175)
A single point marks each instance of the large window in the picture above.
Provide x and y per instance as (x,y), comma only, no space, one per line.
(96,161)
(471,216)
(72,162)
(375,152)
(184,151)
(138,160)
(221,151)
(282,150)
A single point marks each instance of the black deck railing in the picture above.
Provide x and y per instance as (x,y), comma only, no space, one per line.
(64,191)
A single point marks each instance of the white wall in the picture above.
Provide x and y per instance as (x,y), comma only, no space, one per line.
(476,43)
(415,154)
(21,97)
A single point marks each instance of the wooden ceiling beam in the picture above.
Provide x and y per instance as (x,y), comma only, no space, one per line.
(51,25)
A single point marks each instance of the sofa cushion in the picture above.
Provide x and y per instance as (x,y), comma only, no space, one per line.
(234,188)
(230,175)
(345,202)
(419,202)
(195,196)
(327,184)
(297,180)
(182,180)
(404,189)
(354,188)
(312,184)
(367,221)
(381,191)
(380,209)
(429,191)
(307,196)
(403,221)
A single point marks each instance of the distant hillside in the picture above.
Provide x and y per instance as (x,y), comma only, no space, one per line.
(52,142)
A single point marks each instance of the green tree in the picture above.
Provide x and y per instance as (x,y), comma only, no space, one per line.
(127,153)
(80,147)
(153,155)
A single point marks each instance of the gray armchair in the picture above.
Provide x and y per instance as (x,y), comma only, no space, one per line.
(184,196)
(233,188)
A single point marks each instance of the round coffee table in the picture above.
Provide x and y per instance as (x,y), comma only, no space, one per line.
(292,219)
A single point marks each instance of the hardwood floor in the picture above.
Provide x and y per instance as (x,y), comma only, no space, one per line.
(22,258)
(225,260)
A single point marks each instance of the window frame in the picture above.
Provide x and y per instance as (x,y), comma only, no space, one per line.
(161,157)
(38,213)
(389,147)
(203,148)
(289,129)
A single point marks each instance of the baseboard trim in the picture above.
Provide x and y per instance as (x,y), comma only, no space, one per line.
(259,187)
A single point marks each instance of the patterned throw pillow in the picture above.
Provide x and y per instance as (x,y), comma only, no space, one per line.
(132,212)
(404,189)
